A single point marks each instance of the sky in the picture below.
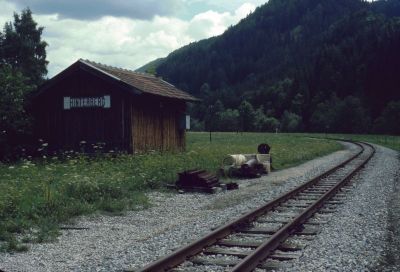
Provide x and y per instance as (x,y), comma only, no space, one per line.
(125,33)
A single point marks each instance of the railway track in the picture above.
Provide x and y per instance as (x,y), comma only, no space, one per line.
(267,235)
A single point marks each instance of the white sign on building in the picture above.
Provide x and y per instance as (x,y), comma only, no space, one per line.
(87,102)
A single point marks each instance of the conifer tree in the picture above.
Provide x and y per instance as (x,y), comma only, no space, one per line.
(22,69)
(22,48)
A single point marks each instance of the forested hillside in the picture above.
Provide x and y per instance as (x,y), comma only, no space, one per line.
(297,65)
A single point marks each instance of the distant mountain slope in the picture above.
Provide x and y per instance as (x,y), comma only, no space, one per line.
(151,66)
(295,57)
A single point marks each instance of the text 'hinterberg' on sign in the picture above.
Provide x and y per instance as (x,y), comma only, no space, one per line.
(87,102)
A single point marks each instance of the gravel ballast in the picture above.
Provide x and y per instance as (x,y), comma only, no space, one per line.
(114,243)
(354,239)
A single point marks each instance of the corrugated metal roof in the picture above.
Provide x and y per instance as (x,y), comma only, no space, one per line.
(146,83)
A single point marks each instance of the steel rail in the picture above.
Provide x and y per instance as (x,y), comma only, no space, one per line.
(196,247)
(265,249)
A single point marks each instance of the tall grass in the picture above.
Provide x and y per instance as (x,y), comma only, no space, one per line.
(37,195)
(286,149)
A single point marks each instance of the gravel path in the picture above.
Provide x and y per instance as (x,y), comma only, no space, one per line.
(115,243)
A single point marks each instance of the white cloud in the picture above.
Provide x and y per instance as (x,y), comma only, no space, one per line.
(94,9)
(208,24)
(244,10)
(124,42)
(6,12)
(212,23)
(219,5)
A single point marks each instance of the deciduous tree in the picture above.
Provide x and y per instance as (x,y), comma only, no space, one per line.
(14,122)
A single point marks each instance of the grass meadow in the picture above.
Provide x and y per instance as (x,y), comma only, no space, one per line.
(389,141)
(36,196)
(392,142)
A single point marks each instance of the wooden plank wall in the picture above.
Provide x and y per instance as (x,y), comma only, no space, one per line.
(133,123)
(157,128)
(65,129)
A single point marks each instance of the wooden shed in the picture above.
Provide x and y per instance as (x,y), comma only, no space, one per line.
(90,103)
